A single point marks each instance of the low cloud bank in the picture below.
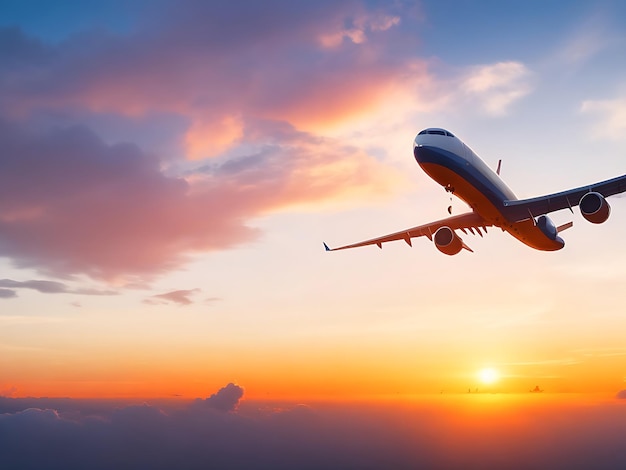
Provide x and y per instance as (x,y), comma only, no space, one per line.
(223,432)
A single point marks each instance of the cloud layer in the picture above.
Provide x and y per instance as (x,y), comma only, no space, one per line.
(448,433)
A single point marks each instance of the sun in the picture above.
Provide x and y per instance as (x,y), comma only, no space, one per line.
(488,375)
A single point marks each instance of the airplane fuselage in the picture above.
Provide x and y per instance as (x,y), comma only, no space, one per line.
(452,164)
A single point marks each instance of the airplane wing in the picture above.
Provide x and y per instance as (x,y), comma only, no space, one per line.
(523,209)
(469,221)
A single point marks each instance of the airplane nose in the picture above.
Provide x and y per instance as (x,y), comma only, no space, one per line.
(418,151)
(418,142)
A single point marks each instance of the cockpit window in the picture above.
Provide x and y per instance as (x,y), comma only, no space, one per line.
(436,132)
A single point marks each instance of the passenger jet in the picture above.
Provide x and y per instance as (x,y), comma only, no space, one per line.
(452,164)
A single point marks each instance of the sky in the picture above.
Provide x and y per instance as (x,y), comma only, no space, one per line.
(169,171)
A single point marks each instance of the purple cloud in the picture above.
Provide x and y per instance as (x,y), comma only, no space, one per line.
(97,434)
(7,294)
(51,287)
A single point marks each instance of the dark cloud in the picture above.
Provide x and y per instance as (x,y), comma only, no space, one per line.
(621,395)
(226,399)
(51,287)
(100,435)
(7,294)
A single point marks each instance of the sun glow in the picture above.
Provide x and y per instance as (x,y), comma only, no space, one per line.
(488,375)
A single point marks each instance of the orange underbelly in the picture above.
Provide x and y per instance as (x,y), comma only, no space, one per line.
(525,231)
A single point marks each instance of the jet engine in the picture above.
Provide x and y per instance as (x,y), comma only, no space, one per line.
(594,207)
(447,241)
(548,228)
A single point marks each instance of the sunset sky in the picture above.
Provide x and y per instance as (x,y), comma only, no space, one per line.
(169,171)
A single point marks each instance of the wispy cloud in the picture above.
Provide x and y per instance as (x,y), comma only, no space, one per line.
(611,116)
(496,87)
(591,37)
(47,287)
(7,294)
(566,361)
(180,297)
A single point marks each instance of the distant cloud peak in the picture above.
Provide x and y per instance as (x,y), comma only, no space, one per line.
(225,399)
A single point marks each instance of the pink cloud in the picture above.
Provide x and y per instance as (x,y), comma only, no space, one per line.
(110,211)
(250,87)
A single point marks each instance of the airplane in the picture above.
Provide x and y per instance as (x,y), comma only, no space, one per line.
(452,164)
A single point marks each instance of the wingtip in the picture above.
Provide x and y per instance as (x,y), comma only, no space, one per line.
(326,247)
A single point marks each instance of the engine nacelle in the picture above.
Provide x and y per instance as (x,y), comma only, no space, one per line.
(447,241)
(546,225)
(594,208)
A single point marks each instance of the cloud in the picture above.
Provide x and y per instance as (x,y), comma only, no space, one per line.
(51,287)
(498,86)
(359,29)
(212,62)
(612,117)
(7,294)
(180,297)
(225,399)
(621,395)
(98,435)
(238,94)
(592,36)
(71,204)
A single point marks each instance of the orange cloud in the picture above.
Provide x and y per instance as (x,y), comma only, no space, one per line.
(207,139)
